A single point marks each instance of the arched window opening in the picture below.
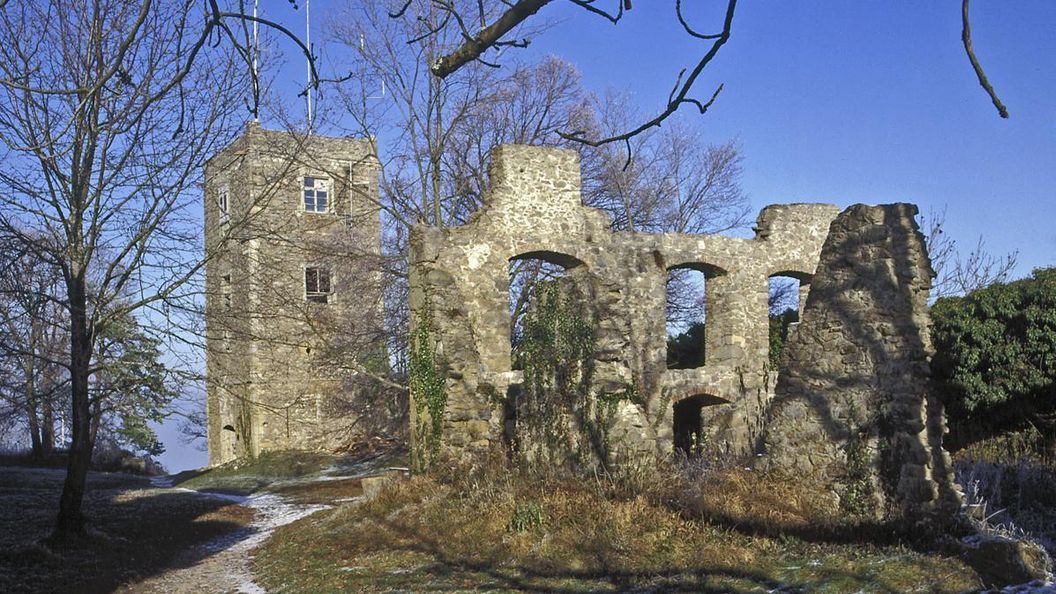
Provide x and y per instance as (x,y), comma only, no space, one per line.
(686,313)
(787,294)
(689,436)
(528,272)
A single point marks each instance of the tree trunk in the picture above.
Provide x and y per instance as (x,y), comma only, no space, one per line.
(31,401)
(71,520)
(47,426)
(34,428)
(47,404)
(93,430)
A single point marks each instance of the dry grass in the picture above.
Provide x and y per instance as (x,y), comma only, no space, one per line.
(1014,482)
(489,529)
(134,531)
(320,491)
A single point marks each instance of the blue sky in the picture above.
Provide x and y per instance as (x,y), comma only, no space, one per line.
(836,101)
(871,102)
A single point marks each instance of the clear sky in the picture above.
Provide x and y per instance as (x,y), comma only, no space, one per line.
(871,102)
(837,101)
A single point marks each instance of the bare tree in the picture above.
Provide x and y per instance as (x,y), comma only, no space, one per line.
(33,339)
(107,111)
(443,129)
(440,131)
(957,273)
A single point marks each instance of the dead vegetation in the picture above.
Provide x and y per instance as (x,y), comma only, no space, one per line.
(487,528)
(1009,481)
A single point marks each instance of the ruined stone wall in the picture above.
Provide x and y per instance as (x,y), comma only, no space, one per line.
(271,383)
(852,410)
(460,288)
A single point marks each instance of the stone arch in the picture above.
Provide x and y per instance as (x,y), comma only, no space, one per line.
(798,274)
(515,291)
(709,270)
(561,259)
(687,422)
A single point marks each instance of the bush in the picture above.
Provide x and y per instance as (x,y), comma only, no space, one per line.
(995,361)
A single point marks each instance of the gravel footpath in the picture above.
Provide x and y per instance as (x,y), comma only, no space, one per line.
(224,565)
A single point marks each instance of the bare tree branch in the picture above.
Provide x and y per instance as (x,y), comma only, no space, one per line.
(473,48)
(680,94)
(966,37)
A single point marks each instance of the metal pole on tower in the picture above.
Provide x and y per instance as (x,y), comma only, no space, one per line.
(256,67)
(308,42)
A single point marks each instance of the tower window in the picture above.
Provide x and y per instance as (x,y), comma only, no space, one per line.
(317,284)
(316,194)
(221,203)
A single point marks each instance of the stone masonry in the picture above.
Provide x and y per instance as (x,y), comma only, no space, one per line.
(288,279)
(460,283)
(852,409)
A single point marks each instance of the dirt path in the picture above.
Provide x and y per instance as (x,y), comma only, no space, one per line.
(224,565)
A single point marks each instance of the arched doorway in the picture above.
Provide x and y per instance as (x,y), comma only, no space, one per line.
(689,436)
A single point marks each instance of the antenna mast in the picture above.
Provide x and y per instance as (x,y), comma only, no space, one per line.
(308,42)
(256,67)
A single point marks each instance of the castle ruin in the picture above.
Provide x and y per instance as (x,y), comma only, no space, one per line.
(848,408)
(858,369)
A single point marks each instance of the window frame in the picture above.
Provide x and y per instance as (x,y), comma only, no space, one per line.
(318,295)
(223,204)
(319,184)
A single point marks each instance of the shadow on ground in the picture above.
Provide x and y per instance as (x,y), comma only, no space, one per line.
(135,531)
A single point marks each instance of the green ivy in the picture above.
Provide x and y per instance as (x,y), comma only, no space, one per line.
(859,494)
(428,392)
(557,356)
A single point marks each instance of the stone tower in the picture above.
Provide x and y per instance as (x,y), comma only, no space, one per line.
(292,235)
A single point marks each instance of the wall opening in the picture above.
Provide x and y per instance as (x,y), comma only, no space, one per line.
(686,314)
(689,436)
(786,297)
(526,272)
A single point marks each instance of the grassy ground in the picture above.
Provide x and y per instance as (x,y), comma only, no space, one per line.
(134,531)
(500,531)
(243,477)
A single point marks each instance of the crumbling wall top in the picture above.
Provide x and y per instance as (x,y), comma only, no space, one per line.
(521,172)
